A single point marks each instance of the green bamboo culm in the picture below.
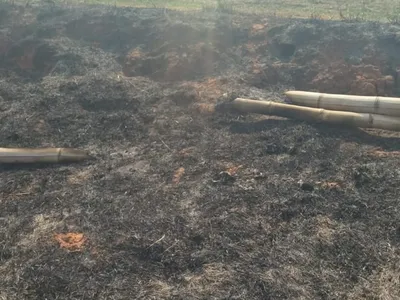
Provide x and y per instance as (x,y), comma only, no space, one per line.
(363,120)
(388,106)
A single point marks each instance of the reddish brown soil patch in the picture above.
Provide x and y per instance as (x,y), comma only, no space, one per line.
(210,90)
(341,78)
(342,66)
(177,64)
(71,241)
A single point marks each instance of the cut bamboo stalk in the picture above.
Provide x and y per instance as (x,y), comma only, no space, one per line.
(41,155)
(362,120)
(389,106)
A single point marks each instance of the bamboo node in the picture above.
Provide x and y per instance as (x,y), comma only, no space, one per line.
(321,95)
(370,119)
(376,103)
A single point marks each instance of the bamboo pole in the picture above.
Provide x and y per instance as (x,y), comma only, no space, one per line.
(363,104)
(41,155)
(362,120)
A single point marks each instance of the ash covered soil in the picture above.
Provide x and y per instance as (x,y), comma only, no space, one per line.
(181,202)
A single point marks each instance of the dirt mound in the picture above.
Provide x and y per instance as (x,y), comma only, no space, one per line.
(332,57)
(173,65)
(182,202)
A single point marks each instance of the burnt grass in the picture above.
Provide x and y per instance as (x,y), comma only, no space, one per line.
(266,208)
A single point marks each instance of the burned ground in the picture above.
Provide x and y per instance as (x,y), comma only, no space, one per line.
(181,202)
